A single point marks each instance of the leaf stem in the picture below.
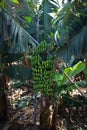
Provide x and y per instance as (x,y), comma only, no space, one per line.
(77,87)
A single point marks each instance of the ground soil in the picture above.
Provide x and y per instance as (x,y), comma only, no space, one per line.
(21,116)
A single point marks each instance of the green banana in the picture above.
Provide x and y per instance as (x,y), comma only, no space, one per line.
(42,69)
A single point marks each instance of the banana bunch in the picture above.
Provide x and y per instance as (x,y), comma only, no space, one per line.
(42,48)
(42,69)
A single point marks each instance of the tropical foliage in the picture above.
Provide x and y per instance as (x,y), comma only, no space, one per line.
(23,27)
(70,34)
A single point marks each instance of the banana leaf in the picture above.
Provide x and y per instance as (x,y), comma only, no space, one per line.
(11,58)
(72,71)
(18,72)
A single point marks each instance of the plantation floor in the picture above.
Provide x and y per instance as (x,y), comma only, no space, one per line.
(20,113)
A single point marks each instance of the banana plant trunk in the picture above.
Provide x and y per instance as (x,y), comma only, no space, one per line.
(48,114)
(3,102)
(35,94)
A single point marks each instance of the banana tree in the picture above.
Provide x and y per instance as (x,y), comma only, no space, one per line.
(51,84)
(14,39)
(19,40)
(70,34)
(15,42)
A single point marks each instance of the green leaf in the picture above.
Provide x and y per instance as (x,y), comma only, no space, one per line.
(18,72)
(85,72)
(2,3)
(80,66)
(15,1)
(55,3)
(27,18)
(82,84)
(72,71)
(58,77)
(47,18)
(67,71)
(61,89)
(71,29)
(72,102)
(2,46)
(21,40)
(11,58)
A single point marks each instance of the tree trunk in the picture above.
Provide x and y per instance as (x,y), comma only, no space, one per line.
(54,119)
(47,115)
(5,85)
(3,103)
(27,63)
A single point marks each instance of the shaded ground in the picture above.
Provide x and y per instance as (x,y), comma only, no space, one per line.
(72,118)
(21,112)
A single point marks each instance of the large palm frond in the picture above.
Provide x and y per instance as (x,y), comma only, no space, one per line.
(71,28)
(15,36)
